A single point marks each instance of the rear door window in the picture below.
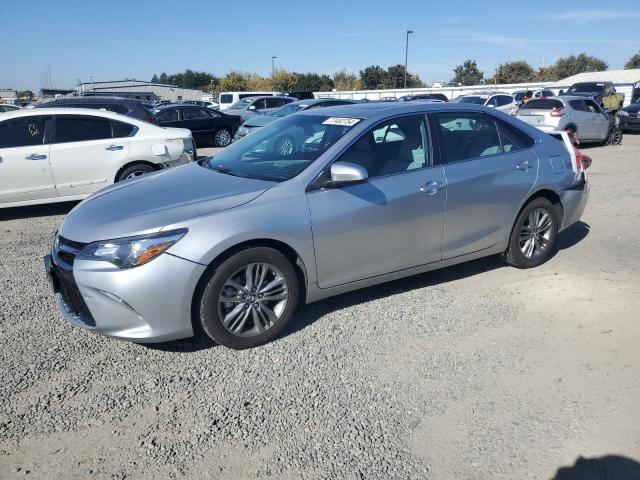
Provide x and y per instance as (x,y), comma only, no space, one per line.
(578,105)
(226,98)
(194,113)
(22,132)
(466,136)
(512,138)
(170,115)
(121,129)
(81,129)
(504,100)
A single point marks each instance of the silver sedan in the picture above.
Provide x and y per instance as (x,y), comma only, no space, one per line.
(231,247)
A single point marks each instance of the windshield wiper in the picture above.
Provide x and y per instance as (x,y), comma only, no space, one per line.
(227,170)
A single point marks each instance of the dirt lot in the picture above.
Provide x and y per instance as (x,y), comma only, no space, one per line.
(478,371)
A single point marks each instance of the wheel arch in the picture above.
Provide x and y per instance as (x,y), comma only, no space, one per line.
(550,195)
(130,163)
(289,252)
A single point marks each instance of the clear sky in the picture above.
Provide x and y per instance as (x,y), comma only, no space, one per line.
(118,39)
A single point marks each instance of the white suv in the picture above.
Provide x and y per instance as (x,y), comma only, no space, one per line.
(62,154)
(500,101)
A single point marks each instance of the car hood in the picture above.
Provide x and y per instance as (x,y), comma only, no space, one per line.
(146,204)
(259,121)
(634,107)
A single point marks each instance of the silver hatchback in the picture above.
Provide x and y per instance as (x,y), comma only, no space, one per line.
(231,247)
(581,115)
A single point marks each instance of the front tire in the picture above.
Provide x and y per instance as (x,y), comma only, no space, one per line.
(533,237)
(249,298)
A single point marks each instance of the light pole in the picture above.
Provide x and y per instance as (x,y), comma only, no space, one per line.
(406,57)
(273,65)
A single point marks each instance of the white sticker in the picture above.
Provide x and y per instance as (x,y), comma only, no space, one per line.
(342,121)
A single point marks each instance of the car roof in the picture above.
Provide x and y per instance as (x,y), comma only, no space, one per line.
(373,110)
(90,99)
(258,97)
(31,112)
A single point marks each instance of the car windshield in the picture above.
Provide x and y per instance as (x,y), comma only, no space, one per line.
(475,100)
(587,87)
(241,104)
(288,109)
(282,149)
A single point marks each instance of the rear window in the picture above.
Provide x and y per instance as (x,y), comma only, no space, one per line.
(226,98)
(542,104)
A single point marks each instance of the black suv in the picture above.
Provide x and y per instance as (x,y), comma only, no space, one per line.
(123,106)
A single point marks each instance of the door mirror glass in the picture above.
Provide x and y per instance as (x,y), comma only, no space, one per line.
(252,107)
(347,172)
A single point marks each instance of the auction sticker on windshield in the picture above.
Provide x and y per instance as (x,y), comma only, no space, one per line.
(342,121)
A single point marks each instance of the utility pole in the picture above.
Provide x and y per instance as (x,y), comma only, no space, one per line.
(406,57)
(495,77)
(273,65)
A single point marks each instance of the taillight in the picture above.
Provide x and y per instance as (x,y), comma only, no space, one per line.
(556,112)
(151,119)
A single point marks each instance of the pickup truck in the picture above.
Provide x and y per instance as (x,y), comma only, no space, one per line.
(604,93)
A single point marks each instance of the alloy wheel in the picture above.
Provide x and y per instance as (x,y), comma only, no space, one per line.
(285,146)
(222,137)
(253,299)
(535,233)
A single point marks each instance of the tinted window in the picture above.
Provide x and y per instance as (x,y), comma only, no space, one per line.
(593,106)
(504,100)
(81,129)
(194,113)
(467,135)
(22,132)
(476,100)
(493,101)
(543,104)
(121,129)
(578,105)
(512,138)
(170,115)
(260,104)
(226,98)
(274,102)
(395,146)
(547,93)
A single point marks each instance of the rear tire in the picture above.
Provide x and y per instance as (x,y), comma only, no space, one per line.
(222,137)
(614,137)
(248,299)
(135,170)
(533,237)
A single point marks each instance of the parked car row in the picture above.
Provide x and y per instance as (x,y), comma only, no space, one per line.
(63,154)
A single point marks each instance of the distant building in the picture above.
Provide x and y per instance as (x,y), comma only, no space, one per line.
(8,95)
(139,90)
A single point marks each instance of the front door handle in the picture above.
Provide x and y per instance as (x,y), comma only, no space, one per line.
(36,156)
(114,147)
(432,187)
(524,165)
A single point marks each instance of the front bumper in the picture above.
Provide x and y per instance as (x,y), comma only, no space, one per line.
(574,201)
(146,304)
(628,123)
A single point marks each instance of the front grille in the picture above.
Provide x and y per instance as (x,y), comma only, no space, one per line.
(64,252)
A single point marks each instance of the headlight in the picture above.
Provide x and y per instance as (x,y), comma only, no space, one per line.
(133,251)
(623,113)
(242,131)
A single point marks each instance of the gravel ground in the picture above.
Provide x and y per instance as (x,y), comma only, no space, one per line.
(475,371)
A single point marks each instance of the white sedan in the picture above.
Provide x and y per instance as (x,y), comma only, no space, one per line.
(62,154)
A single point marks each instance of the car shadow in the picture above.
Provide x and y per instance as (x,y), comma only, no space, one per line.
(45,210)
(609,467)
(308,314)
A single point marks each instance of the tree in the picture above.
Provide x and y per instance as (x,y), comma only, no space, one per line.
(163,78)
(155,78)
(346,81)
(373,77)
(395,78)
(634,62)
(256,83)
(24,94)
(574,64)
(283,80)
(467,74)
(312,82)
(515,72)
(547,74)
(233,82)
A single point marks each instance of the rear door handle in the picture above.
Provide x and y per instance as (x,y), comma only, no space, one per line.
(432,187)
(114,147)
(525,165)
(36,156)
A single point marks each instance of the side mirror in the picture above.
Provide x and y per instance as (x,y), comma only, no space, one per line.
(343,173)
(252,107)
(561,92)
(491,106)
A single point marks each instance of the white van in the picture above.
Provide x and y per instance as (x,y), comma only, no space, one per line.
(226,99)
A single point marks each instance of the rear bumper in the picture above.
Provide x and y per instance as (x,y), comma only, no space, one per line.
(574,201)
